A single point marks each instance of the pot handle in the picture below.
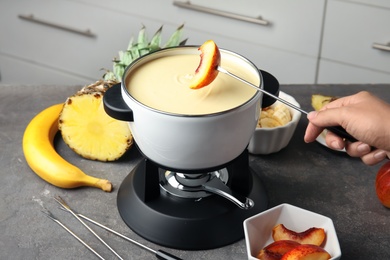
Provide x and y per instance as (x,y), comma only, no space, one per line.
(115,106)
(271,84)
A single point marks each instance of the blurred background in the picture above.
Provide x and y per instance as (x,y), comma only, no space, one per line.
(300,42)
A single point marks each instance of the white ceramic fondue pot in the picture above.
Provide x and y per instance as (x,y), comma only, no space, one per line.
(186,142)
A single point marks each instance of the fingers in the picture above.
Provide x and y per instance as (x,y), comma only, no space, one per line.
(312,132)
(374,157)
(365,152)
(334,141)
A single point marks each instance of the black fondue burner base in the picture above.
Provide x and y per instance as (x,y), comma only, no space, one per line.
(183,223)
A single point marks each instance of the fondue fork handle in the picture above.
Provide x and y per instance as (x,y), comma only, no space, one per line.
(338,130)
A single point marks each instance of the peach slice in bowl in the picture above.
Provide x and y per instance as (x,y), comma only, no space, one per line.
(258,229)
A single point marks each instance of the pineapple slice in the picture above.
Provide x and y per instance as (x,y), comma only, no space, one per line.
(88,130)
(318,101)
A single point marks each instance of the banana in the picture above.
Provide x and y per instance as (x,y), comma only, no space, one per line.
(275,116)
(44,160)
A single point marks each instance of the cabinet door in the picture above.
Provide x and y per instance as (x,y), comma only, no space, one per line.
(378,3)
(63,50)
(293,25)
(334,72)
(351,30)
(288,45)
(16,71)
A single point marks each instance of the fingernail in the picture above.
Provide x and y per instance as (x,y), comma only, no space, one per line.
(336,145)
(363,148)
(312,115)
(380,155)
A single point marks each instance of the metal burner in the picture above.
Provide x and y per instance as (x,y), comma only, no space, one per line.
(198,186)
(190,185)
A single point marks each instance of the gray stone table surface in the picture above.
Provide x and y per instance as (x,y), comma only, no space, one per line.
(310,176)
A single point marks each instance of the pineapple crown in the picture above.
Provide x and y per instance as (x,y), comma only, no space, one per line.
(141,47)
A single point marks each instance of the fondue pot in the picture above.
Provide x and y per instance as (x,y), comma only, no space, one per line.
(194,187)
(180,141)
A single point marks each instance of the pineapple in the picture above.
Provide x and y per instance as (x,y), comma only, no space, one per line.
(85,127)
(318,101)
(88,130)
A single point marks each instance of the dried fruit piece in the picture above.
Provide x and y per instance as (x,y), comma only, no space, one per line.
(210,59)
(306,252)
(318,101)
(277,249)
(314,235)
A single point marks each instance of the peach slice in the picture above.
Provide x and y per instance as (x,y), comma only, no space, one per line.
(210,59)
(314,235)
(277,249)
(306,252)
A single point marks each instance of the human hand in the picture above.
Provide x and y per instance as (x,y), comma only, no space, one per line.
(364,116)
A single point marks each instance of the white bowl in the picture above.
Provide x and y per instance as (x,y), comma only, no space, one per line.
(258,229)
(271,140)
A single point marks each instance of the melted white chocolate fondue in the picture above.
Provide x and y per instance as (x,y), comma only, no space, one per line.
(163,84)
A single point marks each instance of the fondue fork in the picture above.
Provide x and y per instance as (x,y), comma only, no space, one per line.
(158,253)
(51,216)
(67,208)
(335,129)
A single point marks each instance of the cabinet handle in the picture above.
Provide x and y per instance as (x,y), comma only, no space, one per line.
(203,9)
(31,18)
(382,47)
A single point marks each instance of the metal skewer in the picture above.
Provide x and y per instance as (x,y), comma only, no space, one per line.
(51,216)
(159,253)
(65,206)
(335,129)
(220,69)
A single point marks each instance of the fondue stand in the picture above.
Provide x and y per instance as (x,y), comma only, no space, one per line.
(193,209)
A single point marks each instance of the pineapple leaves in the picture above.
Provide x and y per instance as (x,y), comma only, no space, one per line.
(141,47)
(154,44)
(142,43)
(174,40)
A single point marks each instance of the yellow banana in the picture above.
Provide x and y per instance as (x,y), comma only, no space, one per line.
(44,160)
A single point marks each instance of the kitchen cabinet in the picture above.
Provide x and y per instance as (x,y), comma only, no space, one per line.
(350,32)
(291,37)
(302,41)
(272,47)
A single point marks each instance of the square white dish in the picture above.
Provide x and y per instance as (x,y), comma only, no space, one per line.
(258,228)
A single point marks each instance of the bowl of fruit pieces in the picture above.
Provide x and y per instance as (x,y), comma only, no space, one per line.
(275,127)
(288,232)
